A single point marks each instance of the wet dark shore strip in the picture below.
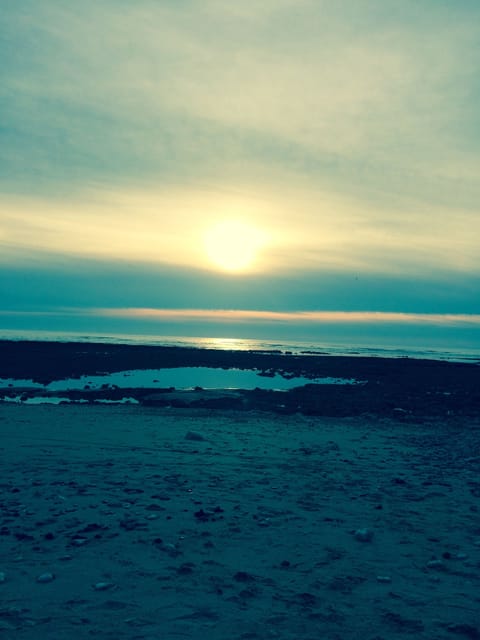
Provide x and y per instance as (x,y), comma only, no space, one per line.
(402,387)
(44,361)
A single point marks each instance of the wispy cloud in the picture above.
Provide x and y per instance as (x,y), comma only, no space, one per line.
(340,81)
(347,131)
(225,316)
(298,317)
(168,226)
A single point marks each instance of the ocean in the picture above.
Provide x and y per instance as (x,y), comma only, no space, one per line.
(370,346)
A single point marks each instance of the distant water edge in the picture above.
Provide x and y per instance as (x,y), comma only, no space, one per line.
(248,344)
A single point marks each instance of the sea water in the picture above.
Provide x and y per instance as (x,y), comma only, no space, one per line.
(366,347)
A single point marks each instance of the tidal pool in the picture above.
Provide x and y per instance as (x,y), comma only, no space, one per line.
(191,377)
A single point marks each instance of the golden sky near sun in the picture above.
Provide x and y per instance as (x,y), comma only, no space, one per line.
(235,231)
(233,245)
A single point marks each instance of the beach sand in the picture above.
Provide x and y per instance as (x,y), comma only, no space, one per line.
(157,523)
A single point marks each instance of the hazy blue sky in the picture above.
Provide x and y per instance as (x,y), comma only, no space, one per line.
(283,155)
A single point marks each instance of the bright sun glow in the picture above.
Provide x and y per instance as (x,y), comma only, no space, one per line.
(233,246)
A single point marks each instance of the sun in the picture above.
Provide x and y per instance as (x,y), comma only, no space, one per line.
(233,245)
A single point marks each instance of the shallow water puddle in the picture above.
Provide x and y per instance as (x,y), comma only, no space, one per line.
(190,377)
(180,378)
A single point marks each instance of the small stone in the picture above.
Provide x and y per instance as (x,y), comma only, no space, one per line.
(193,435)
(154,507)
(467,630)
(93,526)
(243,576)
(79,542)
(103,586)
(364,535)
(45,577)
(202,516)
(384,579)
(186,568)
(6,626)
(306,599)
(171,550)
(23,537)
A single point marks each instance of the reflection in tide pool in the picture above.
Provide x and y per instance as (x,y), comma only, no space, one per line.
(190,377)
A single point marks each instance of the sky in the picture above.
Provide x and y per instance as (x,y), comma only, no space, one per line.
(283,156)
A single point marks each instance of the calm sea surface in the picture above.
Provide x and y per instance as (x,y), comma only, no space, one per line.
(364,348)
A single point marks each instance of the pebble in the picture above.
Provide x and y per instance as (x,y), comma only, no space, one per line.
(364,535)
(243,576)
(463,629)
(171,550)
(154,507)
(46,577)
(193,435)
(79,542)
(6,626)
(103,586)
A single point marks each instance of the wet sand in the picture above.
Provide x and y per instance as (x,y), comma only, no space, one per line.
(151,522)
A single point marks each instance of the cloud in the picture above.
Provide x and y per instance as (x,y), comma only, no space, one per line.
(348,131)
(168,226)
(298,317)
(164,80)
(79,283)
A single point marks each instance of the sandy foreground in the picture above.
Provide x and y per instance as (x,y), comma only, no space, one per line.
(162,523)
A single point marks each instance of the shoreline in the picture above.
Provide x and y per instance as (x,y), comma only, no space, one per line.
(404,388)
(446,350)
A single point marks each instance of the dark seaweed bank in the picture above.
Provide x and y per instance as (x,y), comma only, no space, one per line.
(401,387)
